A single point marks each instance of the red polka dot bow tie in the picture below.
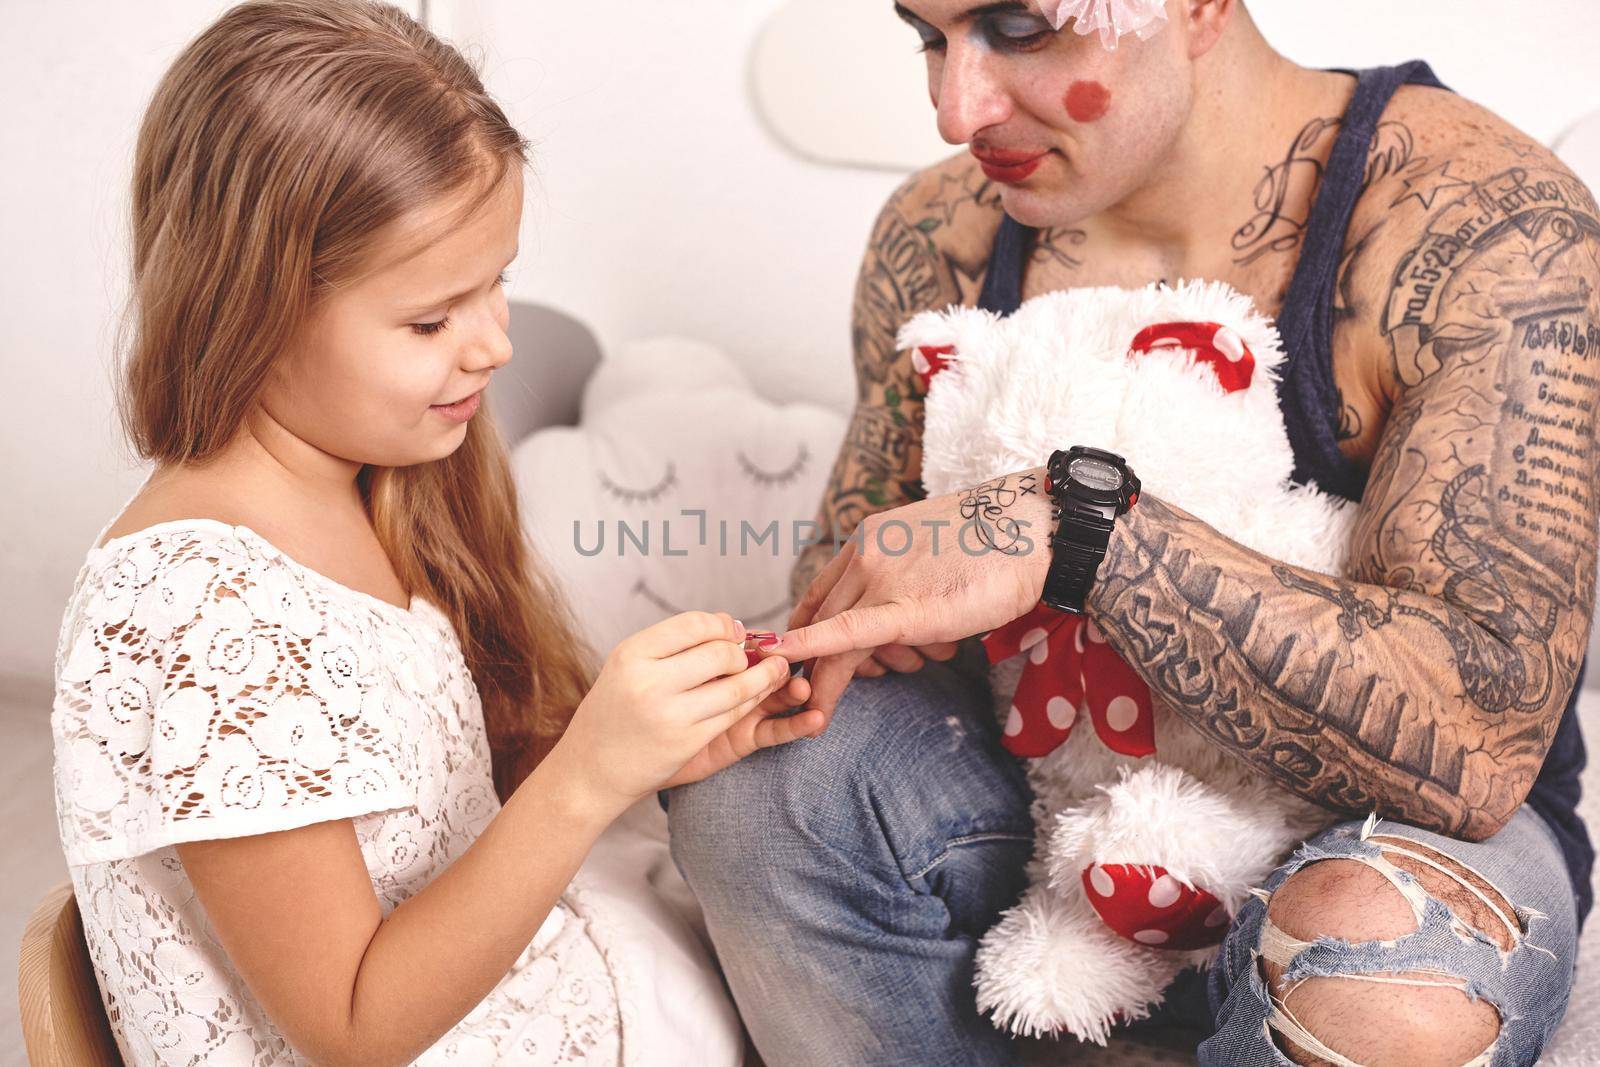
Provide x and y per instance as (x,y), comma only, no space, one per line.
(1071,670)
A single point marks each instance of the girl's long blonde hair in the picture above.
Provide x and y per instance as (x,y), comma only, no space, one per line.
(277,147)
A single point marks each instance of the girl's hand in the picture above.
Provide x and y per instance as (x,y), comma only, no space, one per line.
(756,730)
(673,703)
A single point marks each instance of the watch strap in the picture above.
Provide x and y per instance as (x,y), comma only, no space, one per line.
(1077,548)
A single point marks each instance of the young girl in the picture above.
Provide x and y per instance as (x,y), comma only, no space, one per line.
(327,750)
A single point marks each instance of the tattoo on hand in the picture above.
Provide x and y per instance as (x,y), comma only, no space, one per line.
(989,511)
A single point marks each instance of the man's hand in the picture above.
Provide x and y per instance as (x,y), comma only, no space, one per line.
(924,575)
(929,249)
(904,659)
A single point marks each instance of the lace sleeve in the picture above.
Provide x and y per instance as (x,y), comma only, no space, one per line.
(202,691)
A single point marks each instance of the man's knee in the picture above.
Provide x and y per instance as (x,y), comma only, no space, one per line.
(906,762)
(806,789)
(1420,1017)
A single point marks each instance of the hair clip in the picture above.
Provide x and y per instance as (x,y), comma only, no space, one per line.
(1109,18)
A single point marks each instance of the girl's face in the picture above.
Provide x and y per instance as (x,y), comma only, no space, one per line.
(390,369)
(1063,127)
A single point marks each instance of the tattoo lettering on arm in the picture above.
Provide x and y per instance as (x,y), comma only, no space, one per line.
(900,277)
(878,465)
(1427,682)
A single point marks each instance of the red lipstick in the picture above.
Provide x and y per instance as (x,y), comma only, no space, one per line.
(1008,168)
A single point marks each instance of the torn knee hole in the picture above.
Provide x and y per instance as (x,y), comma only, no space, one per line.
(1345,898)
(1470,896)
(1383,897)
(1351,1020)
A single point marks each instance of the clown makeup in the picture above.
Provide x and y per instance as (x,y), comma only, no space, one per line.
(1087,101)
(1064,126)
(1005,27)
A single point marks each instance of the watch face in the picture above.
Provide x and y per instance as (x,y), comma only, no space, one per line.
(1095,474)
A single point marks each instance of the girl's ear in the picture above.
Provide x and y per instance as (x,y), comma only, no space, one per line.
(1204,22)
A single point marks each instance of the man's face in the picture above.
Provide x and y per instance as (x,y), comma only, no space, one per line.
(1063,126)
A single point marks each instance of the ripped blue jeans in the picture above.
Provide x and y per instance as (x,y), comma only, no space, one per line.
(847,880)
(1527,985)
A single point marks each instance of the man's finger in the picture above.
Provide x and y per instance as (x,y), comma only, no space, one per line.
(941,651)
(781,731)
(900,658)
(846,593)
(820,587)
(832,675)
(852,629)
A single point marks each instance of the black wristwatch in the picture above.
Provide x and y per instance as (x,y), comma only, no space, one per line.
(1090,489)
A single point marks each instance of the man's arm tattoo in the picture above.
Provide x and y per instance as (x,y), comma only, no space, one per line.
(905,271)
(1427,682)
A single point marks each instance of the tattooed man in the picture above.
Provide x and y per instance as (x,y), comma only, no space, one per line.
(1436,278)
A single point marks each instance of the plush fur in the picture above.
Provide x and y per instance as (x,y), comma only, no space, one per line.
(1057,373)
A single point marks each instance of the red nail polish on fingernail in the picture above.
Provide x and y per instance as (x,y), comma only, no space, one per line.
(751,658)
(768,643)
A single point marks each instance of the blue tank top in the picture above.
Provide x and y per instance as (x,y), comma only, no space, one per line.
(1311,404)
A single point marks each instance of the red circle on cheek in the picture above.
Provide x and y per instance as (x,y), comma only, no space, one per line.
(1087,101)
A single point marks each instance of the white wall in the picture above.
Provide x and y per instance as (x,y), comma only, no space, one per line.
(1531,61)
(663,205)
(71,90)
(661,202)
(1532,65)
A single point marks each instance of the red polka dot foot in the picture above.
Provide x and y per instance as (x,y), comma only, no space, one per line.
(1147,905)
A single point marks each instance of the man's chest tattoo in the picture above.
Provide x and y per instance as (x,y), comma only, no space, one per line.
(1288,187)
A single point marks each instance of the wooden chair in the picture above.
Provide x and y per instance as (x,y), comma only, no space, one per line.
(63,1021)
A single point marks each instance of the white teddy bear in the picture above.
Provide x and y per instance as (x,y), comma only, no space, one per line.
(1149,838)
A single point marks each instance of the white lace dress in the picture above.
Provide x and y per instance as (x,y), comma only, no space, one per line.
(208,686)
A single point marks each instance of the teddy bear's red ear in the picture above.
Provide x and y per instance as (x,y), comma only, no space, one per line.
(928,360)
(1220,347)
